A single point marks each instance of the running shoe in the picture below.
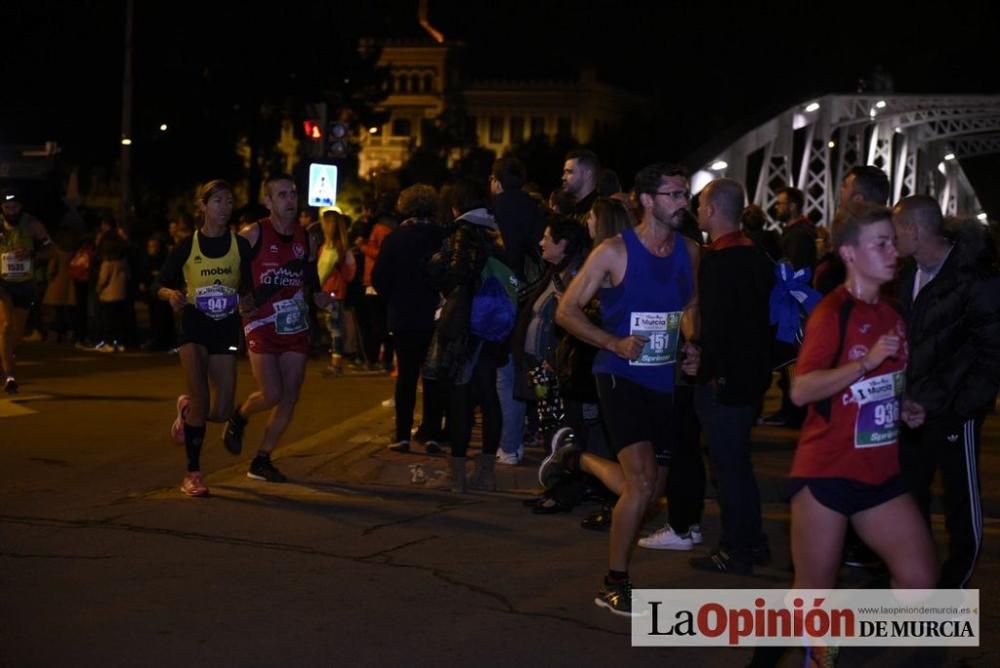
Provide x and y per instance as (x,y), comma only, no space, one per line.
(553,468)
(667,539)
(10,385)
(721,561)
(615,598)
(232,437)
(508,458)
(400,446)
(261,468)
(194,485)
(177,428)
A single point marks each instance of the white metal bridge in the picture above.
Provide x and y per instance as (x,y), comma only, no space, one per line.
(918,140)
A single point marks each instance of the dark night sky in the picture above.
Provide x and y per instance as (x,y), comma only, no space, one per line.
(708,67)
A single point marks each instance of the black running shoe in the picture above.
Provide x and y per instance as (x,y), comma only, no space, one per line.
(10,387)
(232,437)
(721,561)
(261,468)
(615,598)
(554,468)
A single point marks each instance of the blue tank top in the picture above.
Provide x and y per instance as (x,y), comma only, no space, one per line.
(648,302)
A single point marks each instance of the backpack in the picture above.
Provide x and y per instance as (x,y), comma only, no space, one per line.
(79,264)
(494,306)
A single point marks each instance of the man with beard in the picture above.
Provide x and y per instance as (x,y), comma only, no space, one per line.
(283,271)
(579,179)
(646,277)
(20,235)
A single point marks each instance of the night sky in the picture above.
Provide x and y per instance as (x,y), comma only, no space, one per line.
(708,68)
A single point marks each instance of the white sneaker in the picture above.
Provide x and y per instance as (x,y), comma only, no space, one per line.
(508,458)
(105,348)
(666,539)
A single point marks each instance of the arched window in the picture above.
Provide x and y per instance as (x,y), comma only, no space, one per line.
(404,84)
(428,83)
(415,83)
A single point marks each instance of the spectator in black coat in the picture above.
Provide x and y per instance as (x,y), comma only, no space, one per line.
(401,280)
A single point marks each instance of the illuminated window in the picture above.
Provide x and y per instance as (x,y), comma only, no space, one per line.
(496,130)
(516,129)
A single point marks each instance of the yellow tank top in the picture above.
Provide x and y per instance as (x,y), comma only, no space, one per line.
(16,250)
(213,283)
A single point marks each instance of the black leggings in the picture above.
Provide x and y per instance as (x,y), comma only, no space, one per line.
(481,390)
(411,349)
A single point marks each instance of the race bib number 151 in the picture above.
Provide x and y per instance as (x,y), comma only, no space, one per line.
(662,330)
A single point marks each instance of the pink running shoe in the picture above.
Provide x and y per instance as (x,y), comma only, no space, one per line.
(193,485)
(177,428)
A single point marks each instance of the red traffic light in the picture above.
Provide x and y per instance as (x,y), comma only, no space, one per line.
(313,131)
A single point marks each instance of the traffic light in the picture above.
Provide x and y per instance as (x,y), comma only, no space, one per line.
(337,139)
(314,132)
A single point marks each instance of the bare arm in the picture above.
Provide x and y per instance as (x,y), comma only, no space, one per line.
(581,290)
(824,383)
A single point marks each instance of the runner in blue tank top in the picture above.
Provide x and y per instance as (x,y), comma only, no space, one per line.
(648,297)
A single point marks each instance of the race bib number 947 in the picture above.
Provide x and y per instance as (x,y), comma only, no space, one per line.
(662,330)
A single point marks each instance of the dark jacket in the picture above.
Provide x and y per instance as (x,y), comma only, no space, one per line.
(454,271)
(954,330)
(798,243)
(768,241)
(400,275)
(734,286)
(521,225)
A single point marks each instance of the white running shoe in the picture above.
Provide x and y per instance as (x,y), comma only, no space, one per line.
(508,458)
(666,539)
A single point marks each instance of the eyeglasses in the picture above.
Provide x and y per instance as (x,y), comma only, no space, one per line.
(674,194)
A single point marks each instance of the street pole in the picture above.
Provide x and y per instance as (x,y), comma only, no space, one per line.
(126,137)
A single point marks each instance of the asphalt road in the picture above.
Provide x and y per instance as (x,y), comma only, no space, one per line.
(104,562)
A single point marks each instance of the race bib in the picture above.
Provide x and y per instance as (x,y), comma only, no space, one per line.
(216,301)
(877,423)
(291,316)
(11,268)
(662,330)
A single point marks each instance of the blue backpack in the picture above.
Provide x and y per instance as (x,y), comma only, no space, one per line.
(494,306)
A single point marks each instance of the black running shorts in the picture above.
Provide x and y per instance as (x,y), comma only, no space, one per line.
(845,496)
(22,295)
(220,337)
(633,413)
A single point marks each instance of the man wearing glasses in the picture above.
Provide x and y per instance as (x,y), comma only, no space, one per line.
(646,277)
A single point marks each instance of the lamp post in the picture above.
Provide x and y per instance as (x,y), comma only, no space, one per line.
(126,139)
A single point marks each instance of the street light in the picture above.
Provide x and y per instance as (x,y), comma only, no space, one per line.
(813,106)
(831,144)
(880,104)
(126,141)
(949,156)
(163,127)
(719,165)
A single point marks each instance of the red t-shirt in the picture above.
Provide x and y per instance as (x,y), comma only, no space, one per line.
(860,441)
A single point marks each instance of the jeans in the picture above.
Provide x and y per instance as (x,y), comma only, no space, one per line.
(512,411)
(728,430)
(481,390)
